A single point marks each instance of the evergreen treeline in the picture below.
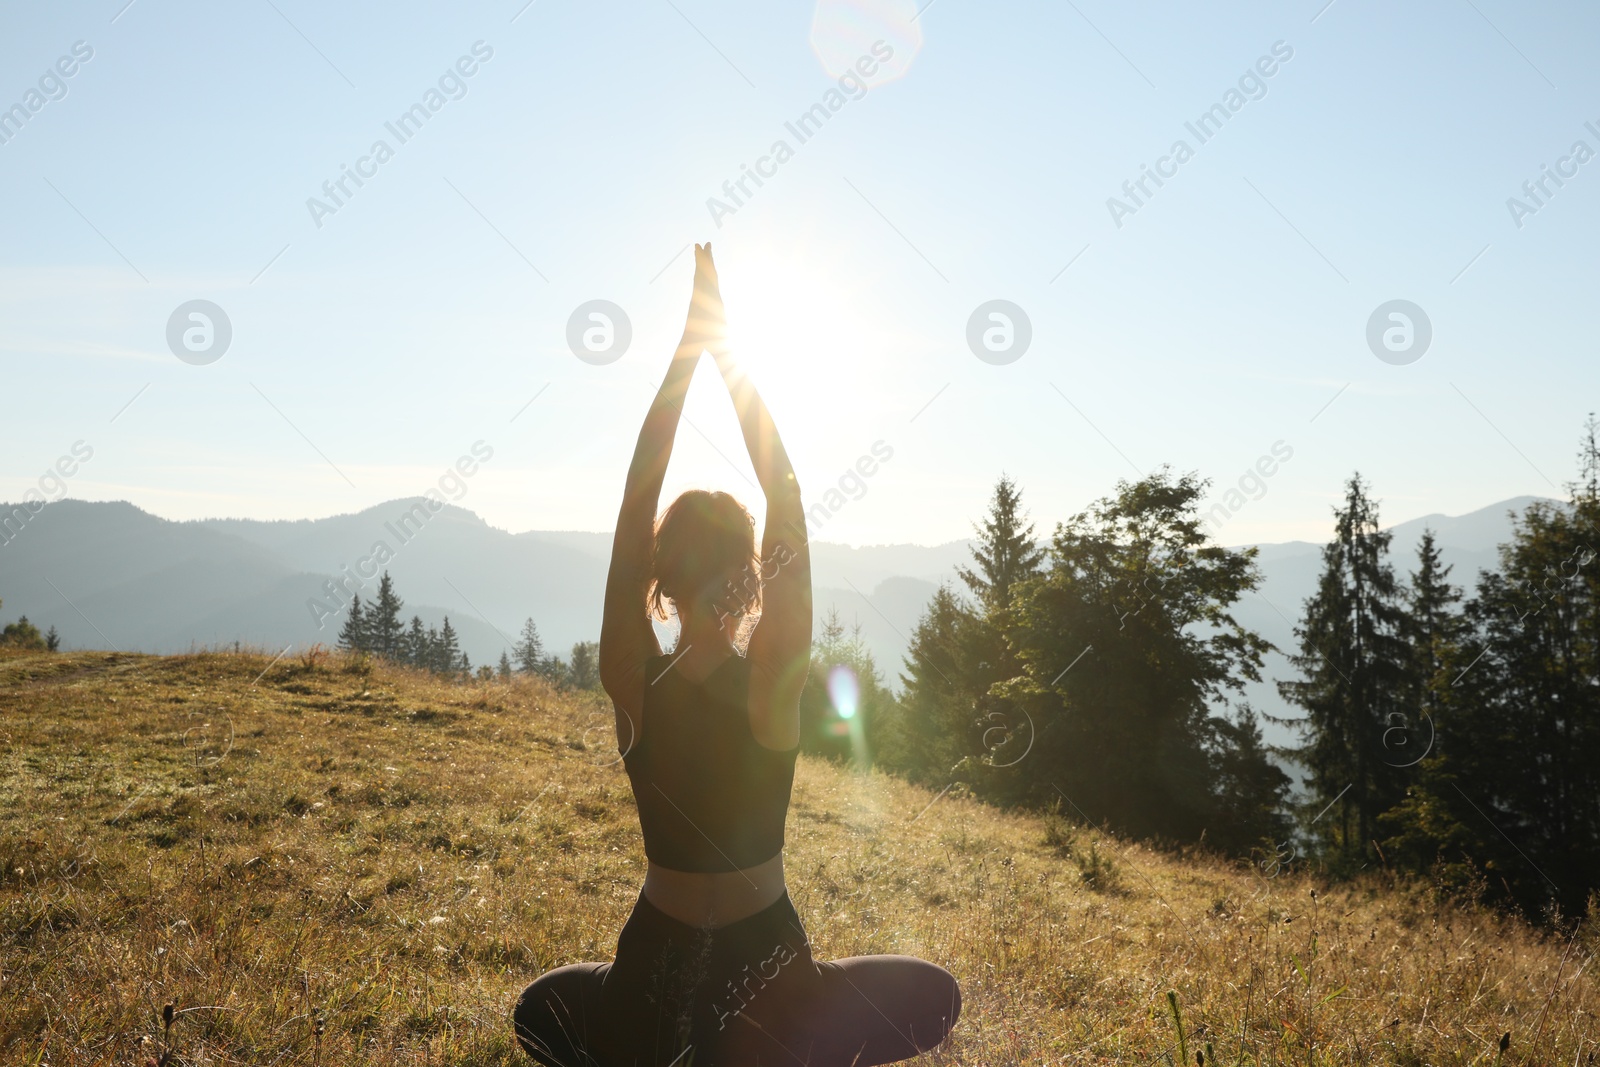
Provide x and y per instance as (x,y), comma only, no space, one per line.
(1449,735)
(1458,736)
(376,628)
(1086,673)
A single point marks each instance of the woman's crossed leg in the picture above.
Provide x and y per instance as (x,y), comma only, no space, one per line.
(853,1012)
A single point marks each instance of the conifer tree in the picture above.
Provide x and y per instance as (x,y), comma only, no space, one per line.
(505,666)
(1426,821)
(959,650)
(353,635)
(555,669)
(1423,832)
(952,660)
(1005,550)
(1251,789)
(1586,490)
(385,629)
(1431,625)
(449,649)
(1432,830)
(414,644)
(529,650)
(1354,664)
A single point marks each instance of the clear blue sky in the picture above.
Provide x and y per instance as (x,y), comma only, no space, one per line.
(1221,317)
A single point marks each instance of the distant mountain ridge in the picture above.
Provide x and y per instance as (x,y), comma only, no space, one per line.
(113,575)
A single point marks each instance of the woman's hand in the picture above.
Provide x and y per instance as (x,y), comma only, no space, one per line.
(706,323)
(705,276)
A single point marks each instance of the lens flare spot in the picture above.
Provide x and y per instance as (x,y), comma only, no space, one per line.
(875,40)
(844,691)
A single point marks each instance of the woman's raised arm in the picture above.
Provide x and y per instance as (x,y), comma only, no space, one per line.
(627,640)
(780,647)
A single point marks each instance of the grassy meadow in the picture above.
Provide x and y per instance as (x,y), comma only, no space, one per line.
(324,861)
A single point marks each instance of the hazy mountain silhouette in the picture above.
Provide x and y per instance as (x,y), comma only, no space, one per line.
(113,575)
(110,574)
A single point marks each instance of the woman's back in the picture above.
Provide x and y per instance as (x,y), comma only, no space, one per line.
(711,797)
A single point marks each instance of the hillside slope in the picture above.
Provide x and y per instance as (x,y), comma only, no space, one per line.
(389,859)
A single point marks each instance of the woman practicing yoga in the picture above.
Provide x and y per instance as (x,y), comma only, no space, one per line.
(713,967)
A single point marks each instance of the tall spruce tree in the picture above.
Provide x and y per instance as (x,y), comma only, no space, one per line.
(431,655)
(1431,625)
(447,654)
(1424,833)
(385,630)
(1005,551)
(1355,665)
(529,650)
(353,635)
(945,720)
(414,644)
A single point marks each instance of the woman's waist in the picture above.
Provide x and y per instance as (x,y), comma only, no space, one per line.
(714,899)
(657,950)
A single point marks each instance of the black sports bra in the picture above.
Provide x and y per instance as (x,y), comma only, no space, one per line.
(711,797)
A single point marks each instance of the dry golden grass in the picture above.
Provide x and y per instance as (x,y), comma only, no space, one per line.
(388,859)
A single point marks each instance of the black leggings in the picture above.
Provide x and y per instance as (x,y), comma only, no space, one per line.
(744,994)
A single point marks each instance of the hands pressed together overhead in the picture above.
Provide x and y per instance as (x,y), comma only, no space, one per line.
(707,324)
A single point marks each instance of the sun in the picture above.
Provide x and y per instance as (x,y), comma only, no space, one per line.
(795,328)
(799,326)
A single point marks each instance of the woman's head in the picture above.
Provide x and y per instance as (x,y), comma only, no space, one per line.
(704,555)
